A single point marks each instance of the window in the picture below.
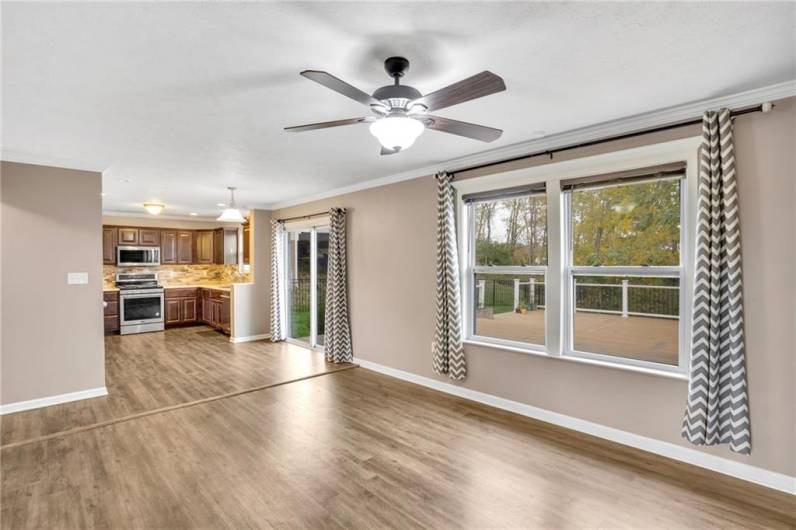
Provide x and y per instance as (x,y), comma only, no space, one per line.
(584,259)
(509,262)
(623,270)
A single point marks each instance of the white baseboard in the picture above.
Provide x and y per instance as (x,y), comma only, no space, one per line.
(49,401)
(250,338)
(764,477)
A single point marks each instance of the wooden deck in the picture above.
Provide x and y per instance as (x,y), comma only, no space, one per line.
(645,338)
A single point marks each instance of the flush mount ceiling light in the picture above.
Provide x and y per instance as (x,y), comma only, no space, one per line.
(400,112)
(231,214)
(153,207)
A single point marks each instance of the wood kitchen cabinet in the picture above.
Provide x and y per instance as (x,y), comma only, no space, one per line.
(218,246)
(109,237)
(247,244)
(204,247)
(128,236)
(188,310)
(168,246)
(149,237)
(173,312)
(180,306)
(216,309)
(184,247)
(111,311)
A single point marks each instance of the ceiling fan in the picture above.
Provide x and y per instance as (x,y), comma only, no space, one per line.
(401,112)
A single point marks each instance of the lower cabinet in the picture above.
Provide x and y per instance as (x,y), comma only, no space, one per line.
(180,306)
(111,311)
(190,306)
(215,309)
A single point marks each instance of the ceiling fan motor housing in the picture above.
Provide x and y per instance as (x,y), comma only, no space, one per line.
(397,96)
(396,66)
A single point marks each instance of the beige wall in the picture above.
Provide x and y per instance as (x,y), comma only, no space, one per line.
(391,231)
(52,336)
(251,303)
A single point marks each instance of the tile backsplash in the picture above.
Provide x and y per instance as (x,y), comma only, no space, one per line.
(176,275)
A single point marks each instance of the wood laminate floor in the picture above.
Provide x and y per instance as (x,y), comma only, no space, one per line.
(151,371)
(356,449)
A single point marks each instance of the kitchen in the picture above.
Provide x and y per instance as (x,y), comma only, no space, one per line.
(165,273)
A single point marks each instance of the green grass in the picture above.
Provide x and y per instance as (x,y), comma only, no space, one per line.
(300,324)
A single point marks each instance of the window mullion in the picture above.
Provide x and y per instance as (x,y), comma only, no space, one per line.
(554,279)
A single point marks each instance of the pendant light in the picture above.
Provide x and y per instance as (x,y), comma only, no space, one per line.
(231,214)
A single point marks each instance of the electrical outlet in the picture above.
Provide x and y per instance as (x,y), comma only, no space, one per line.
(432,346)
(76,278)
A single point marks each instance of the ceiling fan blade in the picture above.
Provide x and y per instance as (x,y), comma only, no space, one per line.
(474,87)
(385,151)
(462,128)
(327,124)
(338,85)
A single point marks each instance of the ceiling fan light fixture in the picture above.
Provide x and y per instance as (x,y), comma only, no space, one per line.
(396,133)
(231,214)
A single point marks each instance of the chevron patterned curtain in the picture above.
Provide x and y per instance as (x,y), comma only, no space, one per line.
(448,349)
(337,332)
(718,410)
(277,279)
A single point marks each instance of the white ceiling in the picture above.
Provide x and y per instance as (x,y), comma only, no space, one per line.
(176,101)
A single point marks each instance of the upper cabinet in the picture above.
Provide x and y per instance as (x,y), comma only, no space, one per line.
(204,246)
(149,236)
(109,235)
(218,246)
(184,247)
(168,246)
(246,242)
(128,236)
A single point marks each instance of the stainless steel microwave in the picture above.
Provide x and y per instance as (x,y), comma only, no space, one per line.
(137,256)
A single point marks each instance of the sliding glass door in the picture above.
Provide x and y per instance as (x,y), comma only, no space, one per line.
(307,258)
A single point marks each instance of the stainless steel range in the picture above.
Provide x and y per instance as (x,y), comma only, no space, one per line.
(140,301)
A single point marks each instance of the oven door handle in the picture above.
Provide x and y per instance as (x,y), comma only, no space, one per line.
(151,295)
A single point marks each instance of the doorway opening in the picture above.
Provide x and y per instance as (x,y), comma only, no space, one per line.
(307,261)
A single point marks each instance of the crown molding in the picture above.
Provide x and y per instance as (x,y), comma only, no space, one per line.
(636,122)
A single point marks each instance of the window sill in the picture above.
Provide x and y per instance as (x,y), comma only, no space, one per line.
(605,364)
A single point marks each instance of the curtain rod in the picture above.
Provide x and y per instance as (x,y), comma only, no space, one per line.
(765,107)
(308,216)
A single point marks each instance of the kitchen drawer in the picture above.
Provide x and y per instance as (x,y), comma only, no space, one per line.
(110,296)
(216,294)
(112,309)
(187,292)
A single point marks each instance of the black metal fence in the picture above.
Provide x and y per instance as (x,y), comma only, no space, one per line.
(628,299)
(300,294)
(499,294)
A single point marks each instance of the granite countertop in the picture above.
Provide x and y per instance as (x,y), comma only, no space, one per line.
(215,286)
(219,287)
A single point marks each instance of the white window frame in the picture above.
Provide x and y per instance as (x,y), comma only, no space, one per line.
(558,332)
(521,270)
